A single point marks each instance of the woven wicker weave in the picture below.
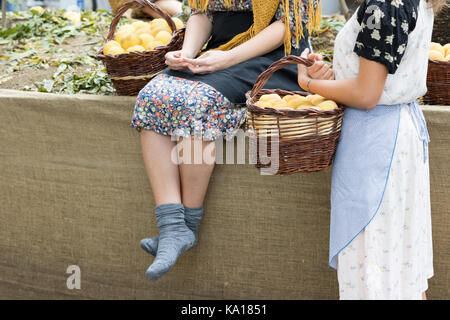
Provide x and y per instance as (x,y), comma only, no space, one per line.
(441,26)
(438,82)
(306,139)
(130,72)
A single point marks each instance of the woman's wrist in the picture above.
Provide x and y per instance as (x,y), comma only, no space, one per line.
(304,83)
(231,58)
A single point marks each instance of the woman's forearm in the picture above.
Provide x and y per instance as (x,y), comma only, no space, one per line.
(198,31)
(362,92)
(349,92)
(267,40)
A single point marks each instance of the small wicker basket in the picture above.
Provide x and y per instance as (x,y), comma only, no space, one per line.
(438,82)
(130,72)
(305,139)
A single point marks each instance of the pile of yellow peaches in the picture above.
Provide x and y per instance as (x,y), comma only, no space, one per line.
(439,52)
(296,102)
(141,36)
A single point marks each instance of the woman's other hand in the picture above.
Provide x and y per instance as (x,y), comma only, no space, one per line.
(174,59)
(209,62)
(319,70)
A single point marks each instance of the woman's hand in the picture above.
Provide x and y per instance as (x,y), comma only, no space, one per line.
(209,62)
(319,70)
(174,59)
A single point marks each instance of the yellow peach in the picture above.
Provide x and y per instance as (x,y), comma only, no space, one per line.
(436,55)
(262,104)
(267,97)
(299,103)
(153,44)
(139,24)
(159,22)
(115,51)
(315,99)
(126,27)
(178,23)
(144,30)
(163,37)
(135,48)
(121,34)
(437,47)
(447,49)
(327,105)
(281,105)
(130,40)
(146,39)
(109,45)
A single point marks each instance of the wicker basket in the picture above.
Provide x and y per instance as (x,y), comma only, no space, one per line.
(306,139)
(130,72)
(438,82)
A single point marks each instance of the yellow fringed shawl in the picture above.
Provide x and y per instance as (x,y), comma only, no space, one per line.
(263,12)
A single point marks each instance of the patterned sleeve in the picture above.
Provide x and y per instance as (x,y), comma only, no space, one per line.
(208,13)
(384,29)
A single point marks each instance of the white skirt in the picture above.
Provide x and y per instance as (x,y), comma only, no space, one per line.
(392,258)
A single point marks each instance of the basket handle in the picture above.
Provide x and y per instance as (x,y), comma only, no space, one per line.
(138,4)
(274,67)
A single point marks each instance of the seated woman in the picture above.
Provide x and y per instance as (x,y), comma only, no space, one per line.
(203,97)
(380,233)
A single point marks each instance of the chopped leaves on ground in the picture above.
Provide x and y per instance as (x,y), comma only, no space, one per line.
(54,53)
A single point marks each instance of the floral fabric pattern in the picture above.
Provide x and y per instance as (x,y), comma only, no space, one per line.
(385,26)
(176,106)
(246,5)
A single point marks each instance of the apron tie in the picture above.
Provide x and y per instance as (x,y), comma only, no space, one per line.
(421,126)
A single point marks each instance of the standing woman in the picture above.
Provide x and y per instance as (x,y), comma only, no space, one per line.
(380,234)
(202,98)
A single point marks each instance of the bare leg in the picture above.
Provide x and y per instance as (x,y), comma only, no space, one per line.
(424,296)
(194,180)
(162,172)
(195,176)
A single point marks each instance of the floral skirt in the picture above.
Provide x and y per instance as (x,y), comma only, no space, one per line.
(392,258)
(176,106)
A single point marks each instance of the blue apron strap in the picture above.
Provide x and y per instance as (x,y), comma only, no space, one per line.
(421,126)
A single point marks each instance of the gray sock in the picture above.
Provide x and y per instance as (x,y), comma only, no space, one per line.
(174,238)
(192,217)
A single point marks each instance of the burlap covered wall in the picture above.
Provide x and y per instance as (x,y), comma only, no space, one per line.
(73,191)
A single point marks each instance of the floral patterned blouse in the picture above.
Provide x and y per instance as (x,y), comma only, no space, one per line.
(246,5)
(385,26)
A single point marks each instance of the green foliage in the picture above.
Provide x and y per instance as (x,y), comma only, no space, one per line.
(52,25)
(37,40)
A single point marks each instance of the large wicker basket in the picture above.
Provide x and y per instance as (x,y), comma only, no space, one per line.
(130,72)
(438,82)
(305,139)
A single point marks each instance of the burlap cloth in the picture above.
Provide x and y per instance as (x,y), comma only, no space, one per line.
(74,191)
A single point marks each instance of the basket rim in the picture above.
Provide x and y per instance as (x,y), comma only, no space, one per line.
(445,63)
(148,53)
(292,113)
